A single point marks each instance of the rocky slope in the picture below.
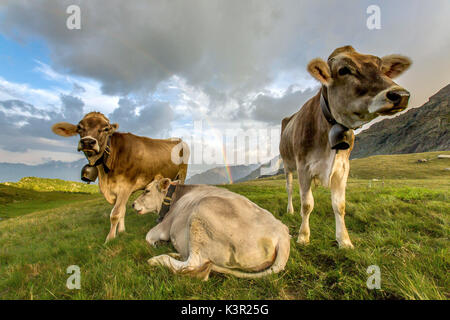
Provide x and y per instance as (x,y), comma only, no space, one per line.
(418,130)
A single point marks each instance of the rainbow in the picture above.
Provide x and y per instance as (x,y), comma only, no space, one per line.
(227,167)
(224,153)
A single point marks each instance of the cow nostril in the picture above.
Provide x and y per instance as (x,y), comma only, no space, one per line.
(88,142)
(393,96)
(398,97)
(132,205)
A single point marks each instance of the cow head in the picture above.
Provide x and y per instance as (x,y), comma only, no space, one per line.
(359,87)
(93,129)
(152,198)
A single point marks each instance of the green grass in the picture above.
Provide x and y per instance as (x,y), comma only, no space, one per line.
(400,223)
(16,201)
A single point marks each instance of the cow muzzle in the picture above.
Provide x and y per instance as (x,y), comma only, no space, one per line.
(138,208)
(390,101)
(89,146)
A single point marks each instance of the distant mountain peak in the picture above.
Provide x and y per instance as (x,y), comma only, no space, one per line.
(222,175)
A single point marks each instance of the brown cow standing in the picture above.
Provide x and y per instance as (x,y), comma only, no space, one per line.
(132,163)
(317,140)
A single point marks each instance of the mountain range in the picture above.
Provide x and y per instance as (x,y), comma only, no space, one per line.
(222,175)
(53,169)
(270,168)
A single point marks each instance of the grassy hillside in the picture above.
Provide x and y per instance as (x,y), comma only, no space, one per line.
(400,224)
(405,166)
(43,184)
(19,198)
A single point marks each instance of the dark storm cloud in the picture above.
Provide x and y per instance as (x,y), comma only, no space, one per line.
(132,46)
(268,109)
(148,118)
(72,107)
(22,125)
(235,47)
(32,123)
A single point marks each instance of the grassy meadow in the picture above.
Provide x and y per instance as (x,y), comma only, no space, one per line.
(398,214)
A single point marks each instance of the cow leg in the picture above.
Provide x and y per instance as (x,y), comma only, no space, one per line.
(338,184)
(157,233)
(290,207)
(117,213)
(307,205)
(121,227)
(194,265)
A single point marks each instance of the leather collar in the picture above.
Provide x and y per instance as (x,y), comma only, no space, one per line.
(326,110)
(105,156)
(339,135)
(165,207)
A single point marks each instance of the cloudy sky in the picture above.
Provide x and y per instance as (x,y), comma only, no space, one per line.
(158,67)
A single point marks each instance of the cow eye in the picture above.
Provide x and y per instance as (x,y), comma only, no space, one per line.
(343,71)
(106,129)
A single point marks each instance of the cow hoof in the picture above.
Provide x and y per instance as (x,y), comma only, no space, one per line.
(108,239)
(175,255)
(290,211)
(158,243)
(303,240)
(153,262)
(346,245)
(152,243)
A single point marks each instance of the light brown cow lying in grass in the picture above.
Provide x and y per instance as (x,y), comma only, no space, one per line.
(215,229)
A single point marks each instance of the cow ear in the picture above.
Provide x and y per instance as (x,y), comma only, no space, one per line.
(320,70)
(394,65)
(164,184)
(64,129)
(115,126)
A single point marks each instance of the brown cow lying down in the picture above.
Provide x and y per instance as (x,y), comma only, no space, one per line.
(215,229)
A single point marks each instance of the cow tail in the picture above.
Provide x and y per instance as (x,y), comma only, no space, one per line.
(282,255)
